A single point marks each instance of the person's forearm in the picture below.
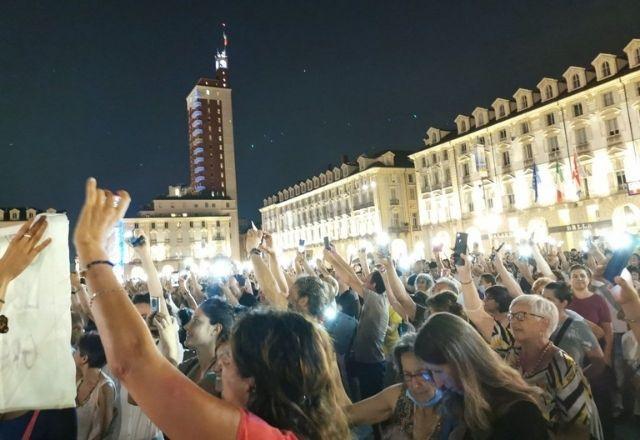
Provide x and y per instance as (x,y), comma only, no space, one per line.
(393,302)
(307,268)
(4,284)
(153,281)
(472,300)
(278,273)
(195,288)
(191,301)
(399,293)
(508,281)
(632,314)
(125,337)
(231,299)
(364,264)
(346,272)
(541,263)
(267,282)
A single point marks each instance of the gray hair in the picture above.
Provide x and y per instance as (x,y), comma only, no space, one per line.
(452,285)
(541,306)
(426,278)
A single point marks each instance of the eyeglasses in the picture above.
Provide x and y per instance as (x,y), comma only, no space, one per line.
(424,374)
(521,316)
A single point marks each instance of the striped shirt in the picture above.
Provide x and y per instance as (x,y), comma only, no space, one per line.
(568,404)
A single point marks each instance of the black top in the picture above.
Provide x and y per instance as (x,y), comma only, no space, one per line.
(248,300)
(348,303)
(522,421)
(51,423)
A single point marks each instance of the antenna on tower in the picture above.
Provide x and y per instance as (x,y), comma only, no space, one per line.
(221,55)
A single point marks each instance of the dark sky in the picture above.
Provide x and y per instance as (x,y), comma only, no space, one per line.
(98,88)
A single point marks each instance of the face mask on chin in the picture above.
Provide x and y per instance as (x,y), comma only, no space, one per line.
(437,397)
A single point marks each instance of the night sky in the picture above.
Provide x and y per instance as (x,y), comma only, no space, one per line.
(90,88)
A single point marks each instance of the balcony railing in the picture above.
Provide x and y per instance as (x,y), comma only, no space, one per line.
(197,132)
(583,147)
(394,202)
(363,205)
(614,139)
(196,114)
(398,229)
(527,162)
(466,179)
(506,168)
(555,154)
(196,123)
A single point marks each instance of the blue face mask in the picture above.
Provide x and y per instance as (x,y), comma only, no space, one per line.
(437,397)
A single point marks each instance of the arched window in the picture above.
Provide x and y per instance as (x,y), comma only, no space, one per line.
(548,92)
(480,119)
(606,69)
(575,81)
(463,126)
(637,55)
(524,102)
(501,111)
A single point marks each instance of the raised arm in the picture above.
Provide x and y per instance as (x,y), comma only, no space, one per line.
(174,403)
(397,286)
(541,263)
(507,279)
(345,271)
(472,302)
(274,265)
(393,301)
(272,292)
(143,251)
(374,409)
(630,303)
(364,262)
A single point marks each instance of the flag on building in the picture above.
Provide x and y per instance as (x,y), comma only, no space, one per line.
(559,181)
(575,175)
(481,161)
(536,181)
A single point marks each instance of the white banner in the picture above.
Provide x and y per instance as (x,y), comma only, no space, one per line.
(36,364)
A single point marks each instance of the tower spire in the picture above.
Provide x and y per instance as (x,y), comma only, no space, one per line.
(221,55)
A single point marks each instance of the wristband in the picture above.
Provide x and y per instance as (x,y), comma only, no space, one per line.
(464,284)
(97,262)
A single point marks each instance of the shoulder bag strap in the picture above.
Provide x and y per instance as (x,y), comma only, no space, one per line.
(30,427)
(565,325)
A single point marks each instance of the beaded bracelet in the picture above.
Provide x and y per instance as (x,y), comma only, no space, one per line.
(97,262)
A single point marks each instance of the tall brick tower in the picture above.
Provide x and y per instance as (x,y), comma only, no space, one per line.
(210,119)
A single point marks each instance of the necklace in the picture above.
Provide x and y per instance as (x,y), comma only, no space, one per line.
(88,396)
(527,373)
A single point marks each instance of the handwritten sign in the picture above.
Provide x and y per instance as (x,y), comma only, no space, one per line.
(36,364)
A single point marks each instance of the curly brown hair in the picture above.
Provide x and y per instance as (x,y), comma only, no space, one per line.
(293,366)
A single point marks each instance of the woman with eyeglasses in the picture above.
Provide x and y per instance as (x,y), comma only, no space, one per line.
(524,343)
(568,402)
(409,409)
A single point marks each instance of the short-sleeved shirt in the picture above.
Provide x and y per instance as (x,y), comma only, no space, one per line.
(252,427)
(372,328)
(577,340)
(593,308)
(348,303)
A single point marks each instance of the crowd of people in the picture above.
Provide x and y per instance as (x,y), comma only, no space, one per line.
(465,346)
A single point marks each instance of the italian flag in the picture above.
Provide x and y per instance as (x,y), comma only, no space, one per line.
(559,180)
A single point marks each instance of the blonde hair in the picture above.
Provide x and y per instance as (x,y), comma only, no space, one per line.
(488,383)
(540,284)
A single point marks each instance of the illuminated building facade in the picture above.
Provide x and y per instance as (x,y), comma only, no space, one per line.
(553,160)
(349,204)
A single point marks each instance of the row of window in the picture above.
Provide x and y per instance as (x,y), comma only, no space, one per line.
(178,225)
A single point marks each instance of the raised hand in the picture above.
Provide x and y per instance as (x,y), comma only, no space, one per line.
(627,293)
(144,249)
(101,211)
(253,239)
(23,249)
